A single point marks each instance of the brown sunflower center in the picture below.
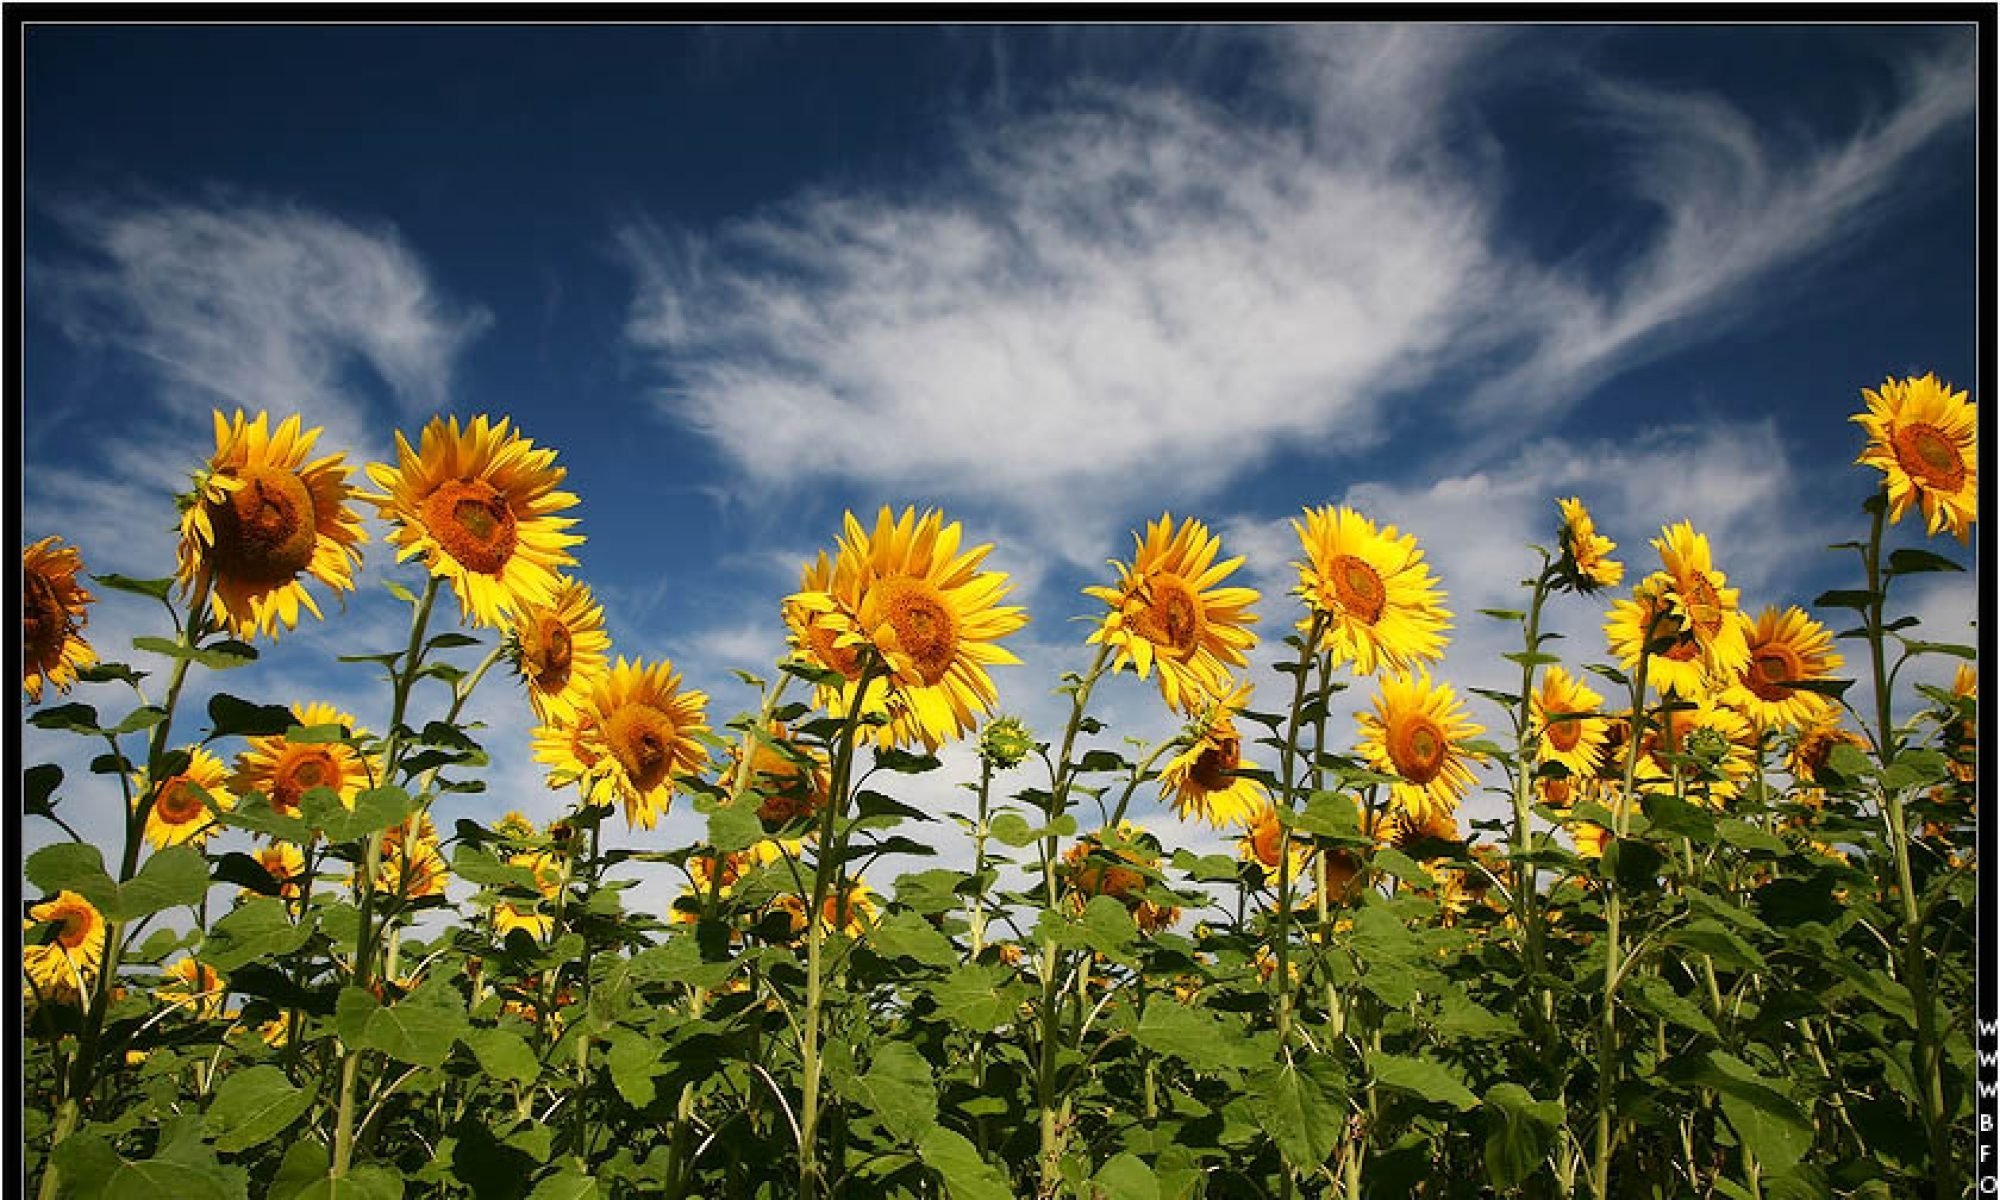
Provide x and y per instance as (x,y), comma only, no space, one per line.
(1770,667)
(179,802)
(1221,755)
(306,768)
(1703,607)
(844,659)
(1418,747)
(642,739)
(548,652)
(45,622)
(1564,735)
(76,926)
(1359,589)
(1266,841)
(264,529)
(1170,614)
(1926,453)
(924,625)
(472,520)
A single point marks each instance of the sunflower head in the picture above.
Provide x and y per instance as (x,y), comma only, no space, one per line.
(195,987)
(285,864)
(179,812)
(1005,743)
(1924,438)
(559,648)
(1786,648)
(284,770)
(1201,779)
(1118,864)
(1417,732)
(481,507)
(1170,610)
(1586,564)
(1264,841)
(640,731)
(849,909)
(788,778)
(54,610)
(61,957)
(1710,745)
(1568,735)
(264,514)
(1697,594)
(1371,592)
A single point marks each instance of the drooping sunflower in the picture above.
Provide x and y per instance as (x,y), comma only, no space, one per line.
(62,967)
(1924,438)
(1417,733)
(196,987)
(1170,610)
(643,730)
(1117,864)
(284,770)
(1812,748)
(1379,603)
(906,594)
(262,514)
(1785,648)
(1404,829)
(54,610)
(1577,743)
(178,813)
(509,915)
(1262,841)
(1587,561)
(481,507)
(1198,779)
(559,648)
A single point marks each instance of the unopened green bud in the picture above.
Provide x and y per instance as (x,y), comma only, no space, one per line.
(1005,742)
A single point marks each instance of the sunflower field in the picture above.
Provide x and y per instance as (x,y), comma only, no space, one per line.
(1721,946)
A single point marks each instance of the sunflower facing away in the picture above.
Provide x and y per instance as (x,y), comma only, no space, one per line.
(53,614)
(848,909)
(645,732)
(480,506)
(560,649)
(1198,778)
(509,915)
(906,593)
(1786,647)
(61,967)
(262,515)
(1417,733)
(284,770)
(195,987)
(1380,604)
(179,813)
(1924,438)
(1586,553)
(1578,744)
(1170,610)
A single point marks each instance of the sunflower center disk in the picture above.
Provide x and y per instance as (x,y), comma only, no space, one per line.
(264,530)
(1418,747)
(550,655)
(1359,589)
(1925,452)
(1170,615)
(1564,735)
(642,740)
(309,768)
(179,803)
(1221,756)
(925,628)
(75,929)
(45,623)
(472,520)
(1770,667)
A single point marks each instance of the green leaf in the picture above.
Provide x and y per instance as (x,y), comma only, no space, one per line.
(252,1106)
(979,997)
(217,656)
(369,1182)
(1519,1131)
(38,784)
(374,809)
(1421,1077)
(732,828)
(1330,815)
(68,866)
(633,1061)
(450,641)
(900,1090)
(485,869)
(1502,614)
(1719,942)
(305,1163)
(1108,928)
(1913,561)
(144,717)
(1102,760)
(1913,648)
(1656,996)
(1011,829)
(1859,600)
(966,1175)
(172,877)
(1300,1106)
(352,1012)
(419,1034)
(1916,768)
(231,717)
(157,1177)
(566,1184)
(76,718)
(907,935)
(1124,1176)
(504,1054)
(1745,836)
(158,589)
(1204,1042)
(1403,867)
(1769,1122)
(904,762)
(254,812)
(254,930)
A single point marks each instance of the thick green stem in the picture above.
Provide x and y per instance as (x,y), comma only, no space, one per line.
(1607,1028)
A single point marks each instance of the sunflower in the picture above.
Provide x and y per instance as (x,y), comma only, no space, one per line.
(1924,438)
(509,915)
(907,596)
(1199,778)
(1719,738)
(284,770)
(480,505)
(412,864)
(1811,750)
(644,731)
(1586,561)
(1590,838)
(1578,744)
(1263,839)
(572,748)
(1785,648)
(1170,610)
(1961,734)
(559,648)
(194,986)
(849,908)
(789,780)
(1676,663)
(261,515)
(1417,733)
(1699,598)
(1336,875)
(1117,865)
(60,969)
(285,864)
(179,813)
(1377,598)
(1403,829)
(53,613)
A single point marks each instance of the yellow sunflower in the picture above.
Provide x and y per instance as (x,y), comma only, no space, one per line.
(644,732)
(1198,778)
(1811,750)
(1586,553)
(263,514)
(849,909)
(572,748)
(1170,610)
(1961,735)
(560,649)
(178,813)
(1577,744)
(1378,600)
(284,770)
(509,915)
(1719,737)
(907,594)
(1785,648)
(412,864)
(1261,843)
(1404,829)
(1590,838)
(54,610)
(195,987)
(62,967)
(285,864)
(1417,733)
(789,780)
(1699,596)
(1924,438)
(1116,865)
(480,506)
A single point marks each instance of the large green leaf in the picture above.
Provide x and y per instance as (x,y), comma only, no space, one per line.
(252,1106)
(174,876)
(899,1089)
(1125,1177)
(504,1054)
(979,997)
(966,1175)
(907,935)
(1519,1131)
(566,1184)
(374,809)
(1299,1105)
(256,929)
(1204,1042)
(1432,1081)
(419,1034)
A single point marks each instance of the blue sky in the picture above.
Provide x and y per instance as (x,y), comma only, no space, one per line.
(1056,280)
